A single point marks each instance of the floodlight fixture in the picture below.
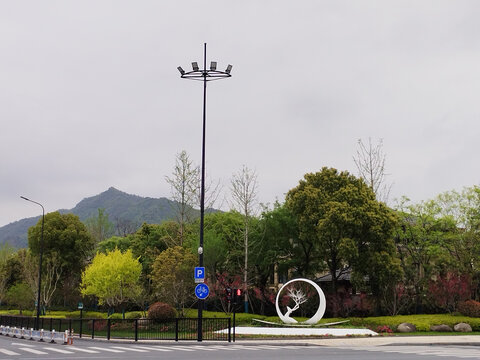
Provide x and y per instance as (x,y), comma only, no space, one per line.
(229,69)
(182,72)
(195,66)
(213,65)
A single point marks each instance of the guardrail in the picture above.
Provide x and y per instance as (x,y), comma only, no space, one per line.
(218,329)
(40,335)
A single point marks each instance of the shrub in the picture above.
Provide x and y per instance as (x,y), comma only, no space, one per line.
(384,329)
(133,315)
(469,308)
(449,290)
(161,311)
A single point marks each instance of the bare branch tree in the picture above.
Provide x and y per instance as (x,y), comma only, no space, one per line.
(184,184)
(244,200)
(370,162)
(53,272)
(299,297)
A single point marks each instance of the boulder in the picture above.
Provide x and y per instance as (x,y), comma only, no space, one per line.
(462,327)
(441,328)
(406,327)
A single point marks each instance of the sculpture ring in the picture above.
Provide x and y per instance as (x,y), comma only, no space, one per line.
(321,306)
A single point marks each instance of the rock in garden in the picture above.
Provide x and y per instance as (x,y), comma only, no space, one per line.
(406,327)
(441,328)
(462,327)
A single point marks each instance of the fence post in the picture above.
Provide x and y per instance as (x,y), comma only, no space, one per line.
(93,328)
(229,331)
(51,324)
(81,328)
(176,329)
(136,329)
(108,329)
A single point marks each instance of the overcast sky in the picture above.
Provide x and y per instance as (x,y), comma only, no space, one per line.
(90,96)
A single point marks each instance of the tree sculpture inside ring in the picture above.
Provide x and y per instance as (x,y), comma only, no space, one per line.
(299,297)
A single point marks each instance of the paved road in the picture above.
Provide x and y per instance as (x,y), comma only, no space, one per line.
(11,348)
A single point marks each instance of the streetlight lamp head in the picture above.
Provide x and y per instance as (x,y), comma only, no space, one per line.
(195,66)
(229,68)
(182,72)
(24,198)
(213,65)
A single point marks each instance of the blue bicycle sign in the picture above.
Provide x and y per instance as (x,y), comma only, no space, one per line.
(202,291)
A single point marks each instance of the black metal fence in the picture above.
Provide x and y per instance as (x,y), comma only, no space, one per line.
(219,329)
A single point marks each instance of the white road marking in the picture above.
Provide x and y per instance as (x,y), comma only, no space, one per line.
(33,351)
(224,347)
(181,348)
(202,347)
(245,347)
(456,352)
(83,350)
(128,348)
(62,351)
(21,344)
(155,348)
(106,349)
(8,352)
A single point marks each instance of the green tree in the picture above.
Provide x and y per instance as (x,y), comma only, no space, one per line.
(20,295)
(172,276)
(99,227)
(67,247)
(120,242)
(113,278)
(66,237)
(6,253)
(348,227)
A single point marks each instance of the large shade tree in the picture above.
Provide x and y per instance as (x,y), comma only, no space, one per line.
(67,247)
(339,214)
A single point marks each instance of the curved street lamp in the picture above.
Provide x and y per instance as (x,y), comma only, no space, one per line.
(204,75)
(37,320)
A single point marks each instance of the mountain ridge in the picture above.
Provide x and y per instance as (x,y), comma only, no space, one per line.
(120,207)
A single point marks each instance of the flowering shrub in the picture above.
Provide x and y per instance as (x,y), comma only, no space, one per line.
(450,289)
(469,308)
(384,329)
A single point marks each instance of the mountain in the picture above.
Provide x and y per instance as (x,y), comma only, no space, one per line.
(120,207)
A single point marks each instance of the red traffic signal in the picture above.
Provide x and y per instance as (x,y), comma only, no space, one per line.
(228,295)
(237,295)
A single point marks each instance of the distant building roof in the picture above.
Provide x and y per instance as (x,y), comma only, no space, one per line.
(342,275)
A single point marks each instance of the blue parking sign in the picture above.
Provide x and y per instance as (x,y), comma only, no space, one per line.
(199,274)
(202,291)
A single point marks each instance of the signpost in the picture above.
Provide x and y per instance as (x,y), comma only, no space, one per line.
(80,307)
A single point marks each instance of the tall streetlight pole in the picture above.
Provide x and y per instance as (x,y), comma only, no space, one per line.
(204,75)
(37,320)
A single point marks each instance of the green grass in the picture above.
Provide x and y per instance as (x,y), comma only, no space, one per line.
(422,322)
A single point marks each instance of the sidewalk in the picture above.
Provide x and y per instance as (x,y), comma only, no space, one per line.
(466,340)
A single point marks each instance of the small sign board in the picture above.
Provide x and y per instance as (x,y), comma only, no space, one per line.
(80,306)
(199,274)
(202,291)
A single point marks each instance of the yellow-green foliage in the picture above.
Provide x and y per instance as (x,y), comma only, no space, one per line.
(112,277)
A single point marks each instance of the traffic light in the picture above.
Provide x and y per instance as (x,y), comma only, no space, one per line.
(228,295)
(237,296)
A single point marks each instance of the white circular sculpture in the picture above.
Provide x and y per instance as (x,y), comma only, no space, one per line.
(299,297)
